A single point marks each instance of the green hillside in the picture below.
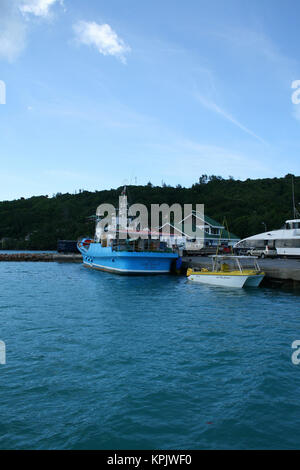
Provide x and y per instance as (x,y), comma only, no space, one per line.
(38,222)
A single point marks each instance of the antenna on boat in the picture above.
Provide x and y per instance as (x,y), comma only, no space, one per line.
(295,211)
(293,196)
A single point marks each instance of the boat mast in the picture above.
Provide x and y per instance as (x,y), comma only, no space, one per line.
(293,196)
(295,211)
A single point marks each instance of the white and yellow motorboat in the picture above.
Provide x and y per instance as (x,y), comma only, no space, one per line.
(228,271)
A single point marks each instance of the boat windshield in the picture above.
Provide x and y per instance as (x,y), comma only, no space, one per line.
(292,225)
(234,263)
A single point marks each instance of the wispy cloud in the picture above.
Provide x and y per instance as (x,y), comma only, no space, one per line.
(256,45)
(41,8)
(103,37)
(256,42)
(14,27)
(191,158)
(296,111)
(212,106)
(12,30)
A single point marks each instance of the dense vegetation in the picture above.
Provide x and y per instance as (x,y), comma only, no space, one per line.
(249,206)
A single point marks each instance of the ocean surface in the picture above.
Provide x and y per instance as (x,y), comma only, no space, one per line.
(98,361)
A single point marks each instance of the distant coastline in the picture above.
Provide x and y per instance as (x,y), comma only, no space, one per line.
(250,207)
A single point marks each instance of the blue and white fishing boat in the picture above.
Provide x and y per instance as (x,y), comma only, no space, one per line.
(124,259)
(127,256)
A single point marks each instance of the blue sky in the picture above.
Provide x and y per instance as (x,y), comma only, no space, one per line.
(100,93)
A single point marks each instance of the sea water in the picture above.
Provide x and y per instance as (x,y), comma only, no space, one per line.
(100,361)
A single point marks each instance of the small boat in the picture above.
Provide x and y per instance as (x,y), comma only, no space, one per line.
(228,271)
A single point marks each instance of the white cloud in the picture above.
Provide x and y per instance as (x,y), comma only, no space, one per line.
(103,37)
(38,7)
(12,30)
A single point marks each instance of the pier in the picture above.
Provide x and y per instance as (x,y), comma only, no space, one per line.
(280,272)
(39,256)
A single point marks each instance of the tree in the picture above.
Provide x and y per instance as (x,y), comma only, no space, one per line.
(203,179)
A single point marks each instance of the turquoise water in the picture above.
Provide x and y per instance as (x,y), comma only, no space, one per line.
(98,361)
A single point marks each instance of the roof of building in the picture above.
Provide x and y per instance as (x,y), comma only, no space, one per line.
(224,235)
(208,220)
(208,236)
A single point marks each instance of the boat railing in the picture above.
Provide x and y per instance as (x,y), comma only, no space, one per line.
(231,262)
(137,249)
(149,246)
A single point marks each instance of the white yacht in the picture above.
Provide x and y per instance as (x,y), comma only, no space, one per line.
(286,241)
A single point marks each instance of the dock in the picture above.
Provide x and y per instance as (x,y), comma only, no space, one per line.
(39,256)
(280,272)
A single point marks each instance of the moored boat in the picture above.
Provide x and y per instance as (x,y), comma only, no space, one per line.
(229,271)
(127,257)
(109,251)
(282,242)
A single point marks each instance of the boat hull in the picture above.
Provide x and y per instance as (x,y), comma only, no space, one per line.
(219,280)
(239,281)
(124,262)
(254,281)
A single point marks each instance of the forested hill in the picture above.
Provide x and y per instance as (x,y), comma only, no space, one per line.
(38,222)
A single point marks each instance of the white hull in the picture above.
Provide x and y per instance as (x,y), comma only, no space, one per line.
(219,280)
(237,281)
(254,281)
(288,251)
(285,241)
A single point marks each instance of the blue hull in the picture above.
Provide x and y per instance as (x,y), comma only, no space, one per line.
(126,262)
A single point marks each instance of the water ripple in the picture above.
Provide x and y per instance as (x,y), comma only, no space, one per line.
(97,361)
